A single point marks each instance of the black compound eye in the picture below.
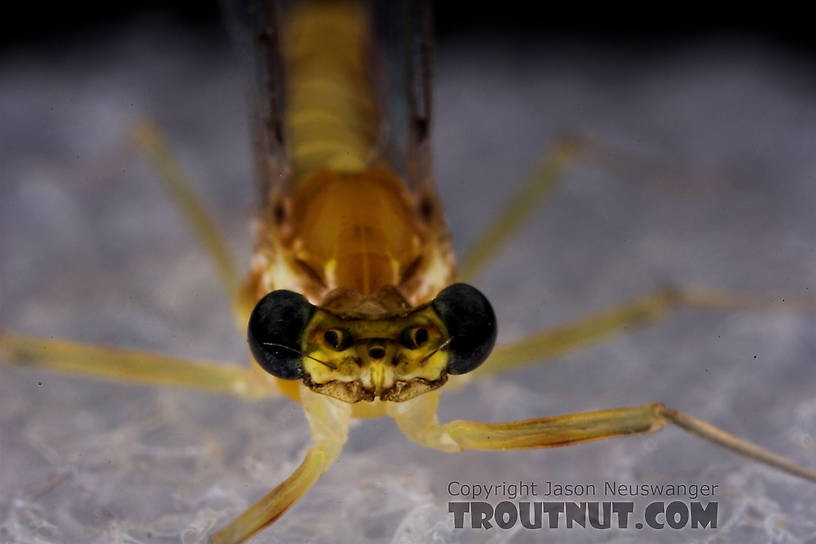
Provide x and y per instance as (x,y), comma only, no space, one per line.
(414,337)
(337,339)
(471,323)
(275,330)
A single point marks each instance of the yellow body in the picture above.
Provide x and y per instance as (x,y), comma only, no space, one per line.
(341,225)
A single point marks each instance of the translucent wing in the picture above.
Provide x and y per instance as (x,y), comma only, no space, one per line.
(253,25)
(404,40)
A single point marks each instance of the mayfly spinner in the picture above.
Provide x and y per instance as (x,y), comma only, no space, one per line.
(351,305)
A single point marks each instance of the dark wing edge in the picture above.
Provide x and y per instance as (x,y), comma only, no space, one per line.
(253,25)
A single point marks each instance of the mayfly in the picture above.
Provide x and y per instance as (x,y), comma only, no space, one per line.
(351,305)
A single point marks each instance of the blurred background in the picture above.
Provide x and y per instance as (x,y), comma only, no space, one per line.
(34,24)
(715,122)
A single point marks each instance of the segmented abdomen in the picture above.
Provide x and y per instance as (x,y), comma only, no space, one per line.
(331,116)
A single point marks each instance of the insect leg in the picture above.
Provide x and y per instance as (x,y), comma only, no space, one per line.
(519,208)
(328,421)
(417,420)
(620,319)
(567,150)
(131,366)
(151,141)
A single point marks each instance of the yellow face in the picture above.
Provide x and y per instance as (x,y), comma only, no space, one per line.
(358,347)
(394,358)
